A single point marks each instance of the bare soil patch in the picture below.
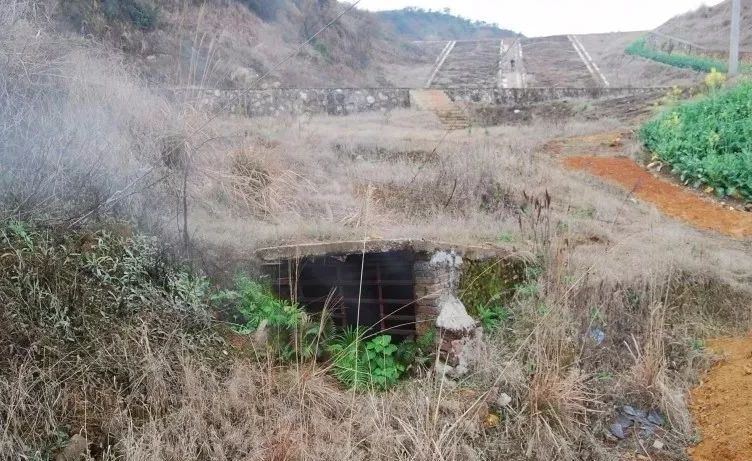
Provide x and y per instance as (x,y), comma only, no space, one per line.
(722,404)
(671,199)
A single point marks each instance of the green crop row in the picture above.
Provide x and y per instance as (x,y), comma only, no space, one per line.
(698,63)
(708,141)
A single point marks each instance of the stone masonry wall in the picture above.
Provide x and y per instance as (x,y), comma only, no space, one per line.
(296,101)
(527,96)
(430,283)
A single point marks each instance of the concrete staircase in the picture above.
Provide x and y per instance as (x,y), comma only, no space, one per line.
(470,64)
(451,116)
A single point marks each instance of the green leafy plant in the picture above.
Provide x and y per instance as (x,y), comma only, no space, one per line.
(708,141)
(417,353)
(384,369)
(291,333)
(349,360)
(493,316)
(256,306)
(364,364)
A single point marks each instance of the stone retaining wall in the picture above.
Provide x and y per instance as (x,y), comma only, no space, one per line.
(669,44)
(528,96)
(296,101)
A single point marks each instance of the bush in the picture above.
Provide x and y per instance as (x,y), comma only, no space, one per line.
(290,331)
(264,9)
(715,79)
(141,15)
(708,141)
(641,48)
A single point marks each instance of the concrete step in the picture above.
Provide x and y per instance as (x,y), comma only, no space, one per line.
(451,116)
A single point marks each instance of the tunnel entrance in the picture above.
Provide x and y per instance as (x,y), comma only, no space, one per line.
(381,300)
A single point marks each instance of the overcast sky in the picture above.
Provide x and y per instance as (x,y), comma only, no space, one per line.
(550,17)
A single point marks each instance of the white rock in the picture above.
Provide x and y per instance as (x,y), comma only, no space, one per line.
(504,400)
(658,444)
(452,315)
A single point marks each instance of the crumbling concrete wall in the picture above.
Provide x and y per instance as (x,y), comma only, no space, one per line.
(459,336)
(295,101)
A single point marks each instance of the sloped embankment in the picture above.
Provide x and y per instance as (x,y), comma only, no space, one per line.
(722,404)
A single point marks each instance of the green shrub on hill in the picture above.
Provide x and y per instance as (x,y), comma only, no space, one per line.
(264,9)
(641,48)
(708,141)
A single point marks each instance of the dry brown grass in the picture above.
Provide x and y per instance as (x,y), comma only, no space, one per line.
(153,388)
(709,26)
(607,50)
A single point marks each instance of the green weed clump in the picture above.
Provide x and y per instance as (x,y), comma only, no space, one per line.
(362,363)
(290,332)
(358,359)
(640,48)
(708,141)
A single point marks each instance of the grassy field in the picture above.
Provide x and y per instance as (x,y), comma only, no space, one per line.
(708,142)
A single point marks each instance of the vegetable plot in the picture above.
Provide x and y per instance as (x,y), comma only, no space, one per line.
(708,142)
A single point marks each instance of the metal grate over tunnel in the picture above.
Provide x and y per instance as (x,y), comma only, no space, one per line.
(373,290)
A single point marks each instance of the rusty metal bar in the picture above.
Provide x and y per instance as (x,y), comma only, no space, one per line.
(379,290)
(403,302)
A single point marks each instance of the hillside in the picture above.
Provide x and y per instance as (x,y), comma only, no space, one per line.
(230,43)
(709,26)
(419,24)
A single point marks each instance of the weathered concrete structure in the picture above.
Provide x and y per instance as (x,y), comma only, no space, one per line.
(404,288)
(296,101)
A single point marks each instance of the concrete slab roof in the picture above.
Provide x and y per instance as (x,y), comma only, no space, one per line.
(350,247)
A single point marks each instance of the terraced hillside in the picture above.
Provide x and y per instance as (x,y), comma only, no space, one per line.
(554,62)
(470,64)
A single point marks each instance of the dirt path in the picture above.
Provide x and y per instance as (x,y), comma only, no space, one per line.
(602,156)
(722,404)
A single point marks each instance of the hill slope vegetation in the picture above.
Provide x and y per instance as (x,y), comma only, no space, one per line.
(709,26)
(419,24)
(231,43)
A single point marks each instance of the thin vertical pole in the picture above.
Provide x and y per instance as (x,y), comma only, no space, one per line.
(733,67)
